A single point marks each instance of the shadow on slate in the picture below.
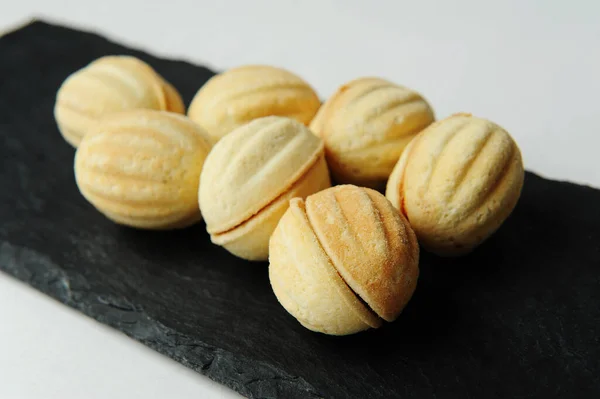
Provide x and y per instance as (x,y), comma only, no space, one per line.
(519,317)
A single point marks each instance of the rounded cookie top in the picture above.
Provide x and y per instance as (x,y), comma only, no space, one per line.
(109,84)
(458,181)
(241,94)
(365,126)
(142,167)
(251,167)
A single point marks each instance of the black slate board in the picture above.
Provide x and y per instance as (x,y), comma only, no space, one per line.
(520,317)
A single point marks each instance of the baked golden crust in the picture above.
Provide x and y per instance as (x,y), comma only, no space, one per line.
(306,283)
(250,175)
(141,168)
(366,125)
(460,180)
(241,94)
(110,84)
(369,243)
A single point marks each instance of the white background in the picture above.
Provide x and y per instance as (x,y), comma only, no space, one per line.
(531,66)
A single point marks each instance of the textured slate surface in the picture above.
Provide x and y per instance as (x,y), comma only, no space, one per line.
(520,317)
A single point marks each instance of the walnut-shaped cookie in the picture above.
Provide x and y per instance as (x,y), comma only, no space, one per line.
(141,168)
(457,182)
(239,95)
(106,85)
(343,260)
(249,177)
(366,125)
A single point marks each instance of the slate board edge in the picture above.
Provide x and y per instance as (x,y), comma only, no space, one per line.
(251,377)
(246,376)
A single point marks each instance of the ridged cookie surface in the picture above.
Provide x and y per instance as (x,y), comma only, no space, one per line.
(343,260)
(110,84)
(141,168)
(251,167)
(370,244)
(457,182)
(307,284)
(241,94)
(366,125)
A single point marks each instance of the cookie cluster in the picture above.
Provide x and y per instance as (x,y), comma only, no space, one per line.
(338,196)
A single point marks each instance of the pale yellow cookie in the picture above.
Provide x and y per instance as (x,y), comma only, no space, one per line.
(239,95)
(343,260)
(107,85)
(366,125)
(249,177)
(457,182)
(141,168)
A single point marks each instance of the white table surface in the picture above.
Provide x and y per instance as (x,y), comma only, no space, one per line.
(531,66)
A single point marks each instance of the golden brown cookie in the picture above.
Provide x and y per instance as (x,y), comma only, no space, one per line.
(241,94)
(366,125)
(343,260)
(249,177)
(141,168)
(110,84)
(457,182)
